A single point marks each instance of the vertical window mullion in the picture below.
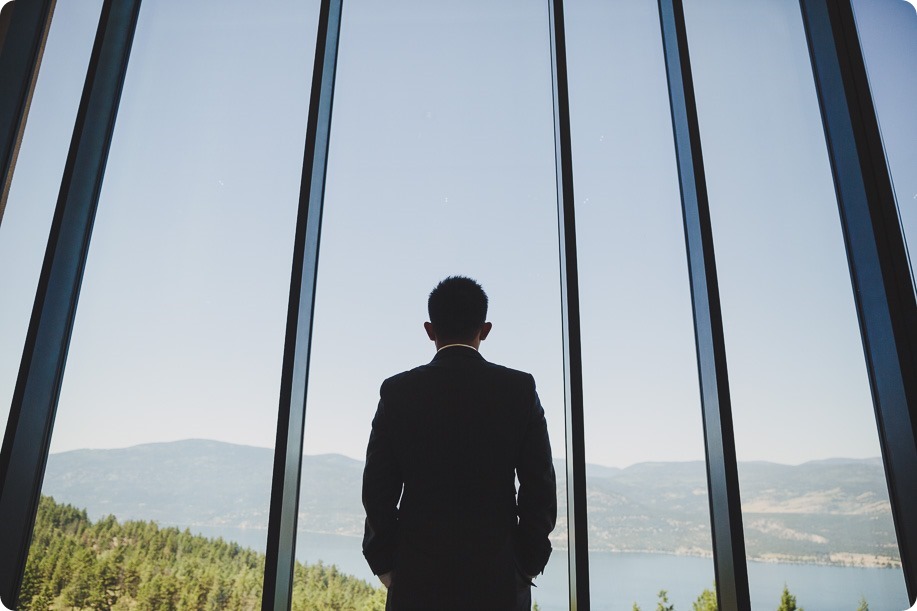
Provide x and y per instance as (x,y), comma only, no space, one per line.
(876,254)
(722,471)
(578,544)
(281,542)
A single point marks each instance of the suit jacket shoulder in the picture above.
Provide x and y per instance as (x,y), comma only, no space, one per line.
(477,370)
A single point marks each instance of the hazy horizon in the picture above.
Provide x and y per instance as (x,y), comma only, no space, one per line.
(556,458)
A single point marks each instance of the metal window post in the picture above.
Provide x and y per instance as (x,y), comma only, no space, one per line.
(577,527)
(876,254)
(722,472)
(281,542)
(28,431)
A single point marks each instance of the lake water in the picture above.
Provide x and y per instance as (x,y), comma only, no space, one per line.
(618,580)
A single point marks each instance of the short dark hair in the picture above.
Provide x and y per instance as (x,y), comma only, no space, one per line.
(457,308)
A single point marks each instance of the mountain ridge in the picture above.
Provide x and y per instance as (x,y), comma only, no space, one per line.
(832,511)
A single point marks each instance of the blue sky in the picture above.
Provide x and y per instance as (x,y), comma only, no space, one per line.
(442,162)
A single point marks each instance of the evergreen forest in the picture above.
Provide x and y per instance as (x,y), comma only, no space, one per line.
(77,564)
(139,566)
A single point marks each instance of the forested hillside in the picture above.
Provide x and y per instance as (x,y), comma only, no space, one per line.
(77,564)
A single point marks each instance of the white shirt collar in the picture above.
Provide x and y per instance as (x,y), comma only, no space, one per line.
(452,345)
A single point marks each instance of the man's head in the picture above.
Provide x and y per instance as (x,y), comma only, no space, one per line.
(458,312)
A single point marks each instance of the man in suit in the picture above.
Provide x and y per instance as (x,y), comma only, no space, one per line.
(449,439)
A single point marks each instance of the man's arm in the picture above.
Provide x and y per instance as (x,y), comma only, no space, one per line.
(381,491)
(537,497)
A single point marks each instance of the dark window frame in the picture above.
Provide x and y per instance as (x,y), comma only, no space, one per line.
(577,522)
(730,566)
(281,539)
(876,254)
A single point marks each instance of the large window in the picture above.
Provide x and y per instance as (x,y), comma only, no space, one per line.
(441,163)
(649,524)
(815,503)
(168,409)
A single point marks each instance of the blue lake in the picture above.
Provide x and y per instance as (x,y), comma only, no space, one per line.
(618,580)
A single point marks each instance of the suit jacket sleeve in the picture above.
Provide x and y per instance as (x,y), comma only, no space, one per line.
(382,484)
(537,498)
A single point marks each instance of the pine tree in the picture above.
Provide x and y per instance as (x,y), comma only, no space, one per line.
(788,601)
(31,585)
(864,606)
(663,604)
(706,601)
(78,591)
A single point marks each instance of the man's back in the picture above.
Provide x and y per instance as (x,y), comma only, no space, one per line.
(455,433)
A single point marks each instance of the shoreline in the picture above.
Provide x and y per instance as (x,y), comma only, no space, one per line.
(850,560)
(858,561)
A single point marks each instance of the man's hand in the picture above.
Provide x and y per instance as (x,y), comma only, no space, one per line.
(386,579)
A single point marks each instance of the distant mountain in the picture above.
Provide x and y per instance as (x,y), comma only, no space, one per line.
(203,483)
(832,511)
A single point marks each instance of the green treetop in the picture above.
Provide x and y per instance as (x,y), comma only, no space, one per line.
(788,601)
(663,604)
(706,601)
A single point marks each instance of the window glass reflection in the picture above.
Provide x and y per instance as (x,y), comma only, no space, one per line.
(167,413)
(649,524)
(815,504)
(26,220)
(441,162)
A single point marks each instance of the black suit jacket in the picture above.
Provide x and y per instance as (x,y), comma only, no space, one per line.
(448,440)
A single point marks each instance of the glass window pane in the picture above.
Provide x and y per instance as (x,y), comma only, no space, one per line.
(441,162)
(26,219)
(888,36)
(167,413)
(649,523)
(815,503)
